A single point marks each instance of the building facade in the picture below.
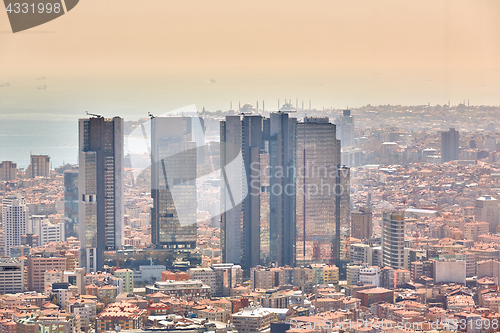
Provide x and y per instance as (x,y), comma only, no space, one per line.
(11,276)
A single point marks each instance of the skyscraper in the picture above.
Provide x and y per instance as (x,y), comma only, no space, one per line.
(393,233)
(317,161)
(241,219)
(345,129)
(282,155)
(39,167)
(100,188)
(173,183)
(450,145)
(71,203)
(486,209)
(14,221)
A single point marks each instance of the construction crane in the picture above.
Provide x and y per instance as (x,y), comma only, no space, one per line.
(94,115)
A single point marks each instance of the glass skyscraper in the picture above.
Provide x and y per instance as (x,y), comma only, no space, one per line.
(173,182)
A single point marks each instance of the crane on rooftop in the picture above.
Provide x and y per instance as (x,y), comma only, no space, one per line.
(94,115)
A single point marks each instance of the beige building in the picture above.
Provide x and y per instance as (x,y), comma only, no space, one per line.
(252,319)
(8,171)
(362,225)
(266,278)
(475,229)
(486,210)
(39,167)
(206,275)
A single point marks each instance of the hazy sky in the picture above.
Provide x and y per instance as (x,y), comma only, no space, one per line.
(107,52)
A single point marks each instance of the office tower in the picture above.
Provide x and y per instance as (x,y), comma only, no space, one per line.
(39,167)
(345,129)
(71,203)
(173,183)
(393,233)
(362,225)
(100,189)
(486,209)
(241,149)
(14,221)
(8,171)
(282,154)
(449,145)
(318,156)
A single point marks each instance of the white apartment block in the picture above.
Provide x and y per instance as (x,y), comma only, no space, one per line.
(14,221)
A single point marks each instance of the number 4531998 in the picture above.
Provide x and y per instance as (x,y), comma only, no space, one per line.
(40,8)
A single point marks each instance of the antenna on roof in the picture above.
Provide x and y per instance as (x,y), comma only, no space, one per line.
(150,115)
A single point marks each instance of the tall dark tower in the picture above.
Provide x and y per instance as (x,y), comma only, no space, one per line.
(100,189)
(282,158)
(241,149)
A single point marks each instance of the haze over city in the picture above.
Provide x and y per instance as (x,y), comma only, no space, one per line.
(250,167)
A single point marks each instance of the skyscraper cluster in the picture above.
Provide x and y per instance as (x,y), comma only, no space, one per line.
(290,172)
(284,194)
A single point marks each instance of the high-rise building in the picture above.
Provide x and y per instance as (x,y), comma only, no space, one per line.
(345,129)
(486,209)
(393,233)
(173,183)
(362,225)
(8,171)
(100,188)
(317,161)
(281,176)
(241,150)
(450,145)
(39,167)
(71,203)
(14,221)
